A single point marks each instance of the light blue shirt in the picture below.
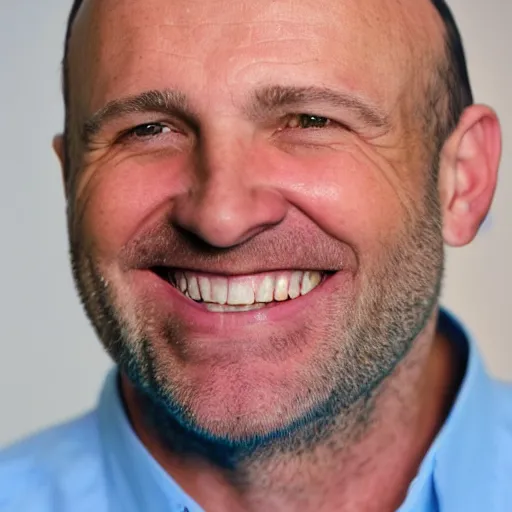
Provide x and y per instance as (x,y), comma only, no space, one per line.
(97,464)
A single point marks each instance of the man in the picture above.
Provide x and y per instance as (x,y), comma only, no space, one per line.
(258,197)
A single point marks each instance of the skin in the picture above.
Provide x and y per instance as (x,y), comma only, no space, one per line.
(259,196)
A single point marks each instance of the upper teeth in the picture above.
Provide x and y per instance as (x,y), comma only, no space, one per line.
(246,290)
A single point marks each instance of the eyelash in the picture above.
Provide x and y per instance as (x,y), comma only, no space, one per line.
(294,121)
(297,119)
(132,132)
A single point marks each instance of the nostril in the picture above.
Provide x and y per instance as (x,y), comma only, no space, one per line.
(225,220)
(197,243)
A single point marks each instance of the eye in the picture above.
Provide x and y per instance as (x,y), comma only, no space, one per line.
(305,121)
(148,130)
(155,135)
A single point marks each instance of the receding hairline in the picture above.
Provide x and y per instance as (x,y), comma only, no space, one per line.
(447,94)
(449,34)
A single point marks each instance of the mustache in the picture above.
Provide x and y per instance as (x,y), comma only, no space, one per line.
(282,247)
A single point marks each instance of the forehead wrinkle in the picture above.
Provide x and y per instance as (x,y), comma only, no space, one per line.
(379,14)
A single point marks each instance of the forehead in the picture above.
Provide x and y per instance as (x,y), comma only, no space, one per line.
(206,47)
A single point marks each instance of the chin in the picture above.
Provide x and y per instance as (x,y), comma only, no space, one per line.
(239,395)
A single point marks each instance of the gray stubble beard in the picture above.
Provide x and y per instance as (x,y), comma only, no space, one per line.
(399,301)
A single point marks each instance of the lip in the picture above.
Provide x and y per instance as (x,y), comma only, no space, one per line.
(280,314)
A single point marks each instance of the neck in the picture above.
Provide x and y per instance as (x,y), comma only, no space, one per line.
(365,463)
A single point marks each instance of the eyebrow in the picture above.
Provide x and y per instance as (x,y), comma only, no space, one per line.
(167,102)
(275,98)
(265,101)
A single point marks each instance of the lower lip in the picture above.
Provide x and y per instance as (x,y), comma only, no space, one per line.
(198,317)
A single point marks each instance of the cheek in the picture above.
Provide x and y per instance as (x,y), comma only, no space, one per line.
(120,199)
(347,196)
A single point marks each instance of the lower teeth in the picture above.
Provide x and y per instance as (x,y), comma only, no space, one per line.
(219,308)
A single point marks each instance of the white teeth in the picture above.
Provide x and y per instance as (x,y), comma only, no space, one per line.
(246,292)
(240,294)
(265,291)
(281,289)
(219,290)
(294,289)
(205,289)
(309,281)
(193,288)
(182,282)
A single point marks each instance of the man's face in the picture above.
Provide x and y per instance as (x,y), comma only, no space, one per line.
(282,158)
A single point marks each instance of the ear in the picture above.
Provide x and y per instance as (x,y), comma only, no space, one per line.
(468,174)
(59,149)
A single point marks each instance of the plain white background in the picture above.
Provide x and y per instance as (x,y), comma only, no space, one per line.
(51,365)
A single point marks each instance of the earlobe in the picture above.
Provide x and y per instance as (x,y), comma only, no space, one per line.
(468,174)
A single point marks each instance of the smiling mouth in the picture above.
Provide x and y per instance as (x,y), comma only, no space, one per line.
(221,293)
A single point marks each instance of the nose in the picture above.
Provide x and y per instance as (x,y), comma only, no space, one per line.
(229,200)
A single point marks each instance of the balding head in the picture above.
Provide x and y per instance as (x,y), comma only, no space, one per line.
(448,91)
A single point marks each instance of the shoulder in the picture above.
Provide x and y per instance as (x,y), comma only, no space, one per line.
(503,396)
(57,470)
(501,445)
(502,406)
(502,411)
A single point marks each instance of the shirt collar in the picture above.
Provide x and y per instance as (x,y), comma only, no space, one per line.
(139,482)
(465,451)
(447,474)
(135,480)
